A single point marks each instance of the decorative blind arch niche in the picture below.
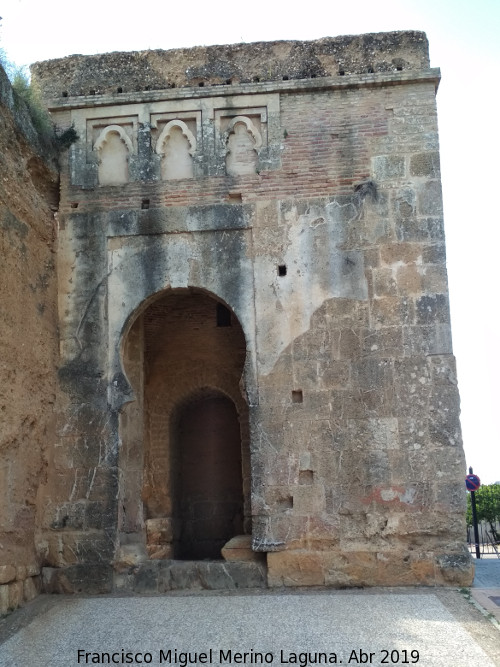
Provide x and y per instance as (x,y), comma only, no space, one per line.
(243,141)
(113,147)
(176,145)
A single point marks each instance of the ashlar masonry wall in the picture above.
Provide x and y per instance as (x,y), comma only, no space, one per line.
(296,186)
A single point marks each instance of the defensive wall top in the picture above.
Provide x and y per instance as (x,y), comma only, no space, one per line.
(134,71)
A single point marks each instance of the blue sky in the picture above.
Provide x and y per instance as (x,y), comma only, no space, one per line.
(464,43)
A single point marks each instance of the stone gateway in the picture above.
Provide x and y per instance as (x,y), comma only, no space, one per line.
(256,384)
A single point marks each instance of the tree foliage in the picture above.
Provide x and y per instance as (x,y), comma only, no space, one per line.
(488,507)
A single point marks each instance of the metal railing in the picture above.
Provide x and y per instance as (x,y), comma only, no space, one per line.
(488,545)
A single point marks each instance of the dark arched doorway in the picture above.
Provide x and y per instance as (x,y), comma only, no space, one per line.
(208,504)
(185,440)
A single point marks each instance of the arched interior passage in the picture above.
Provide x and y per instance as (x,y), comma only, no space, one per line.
(186,437)
(208,504)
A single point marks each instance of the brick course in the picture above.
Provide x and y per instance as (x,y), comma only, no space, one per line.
(331,258)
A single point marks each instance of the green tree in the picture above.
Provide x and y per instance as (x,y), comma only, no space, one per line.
(488,507)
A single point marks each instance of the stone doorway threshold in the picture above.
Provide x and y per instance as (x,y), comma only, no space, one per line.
(160,576)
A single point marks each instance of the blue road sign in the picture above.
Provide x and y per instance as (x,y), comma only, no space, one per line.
(472,482)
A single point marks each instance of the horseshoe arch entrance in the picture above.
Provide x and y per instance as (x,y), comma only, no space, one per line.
(185,462)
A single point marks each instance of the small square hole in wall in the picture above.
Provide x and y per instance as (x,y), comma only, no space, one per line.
(74,204)
(65,93)
(297,396)
(119,89)
(145,204)
(285,503)
(306,477)
(282,270)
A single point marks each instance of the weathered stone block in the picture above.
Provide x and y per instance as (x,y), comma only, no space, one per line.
(4,599)
(69,516)
(444,424)
(456,569)
(434,279)
(240,549)
(427,340)
(249,575)
(375,434)
(184,575)
(165,575)
(384,283)
(159,531)
(16,594)
(392,311)
(129,557)
(31,588)
(425,164)
(409,279)
(420,229)
(146,577)
(434,253)
(7,573)
(64,549)
(309,499)
(388,167)
(412,386)
(348,343)
(384,342)
(295,568)
(401,253)
(431,309)
(96,578)
(430,201)
(332,374)
(160,551)
(33,570)
(374,381)
(443,369)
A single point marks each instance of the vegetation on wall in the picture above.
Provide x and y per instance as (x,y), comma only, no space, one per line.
(25,91)
(27,94)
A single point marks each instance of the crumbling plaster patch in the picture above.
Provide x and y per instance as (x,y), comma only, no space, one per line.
(311,239)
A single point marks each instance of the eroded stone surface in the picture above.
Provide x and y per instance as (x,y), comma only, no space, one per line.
(229,64)
(167,575)
(325,245)
(28,341)
(239,548)
(276,247)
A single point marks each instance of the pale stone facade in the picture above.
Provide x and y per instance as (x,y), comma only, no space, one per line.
(253,320)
